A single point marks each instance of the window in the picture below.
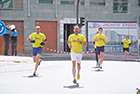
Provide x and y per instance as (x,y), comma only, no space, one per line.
(82,2)
(11,4)
(69,2)
(97,2)
(6,4)
(138,2)
(46,1)
(120,6)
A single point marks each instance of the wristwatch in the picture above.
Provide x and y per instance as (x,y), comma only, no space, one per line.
(80,41)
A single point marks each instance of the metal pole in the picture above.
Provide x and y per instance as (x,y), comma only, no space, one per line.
(77,12)
(29,8)
(56,8)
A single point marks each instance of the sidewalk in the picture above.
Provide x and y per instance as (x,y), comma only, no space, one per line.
(87,56)
(8,60)
(90,56)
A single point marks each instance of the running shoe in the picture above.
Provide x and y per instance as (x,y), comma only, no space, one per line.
(122,59)
(97,65)
(34,74)
(74,81)
(78,76)
(100,66)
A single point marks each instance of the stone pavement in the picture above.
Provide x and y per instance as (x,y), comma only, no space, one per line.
(55,77)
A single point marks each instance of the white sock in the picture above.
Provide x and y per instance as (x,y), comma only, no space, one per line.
(101,65)
(99,61)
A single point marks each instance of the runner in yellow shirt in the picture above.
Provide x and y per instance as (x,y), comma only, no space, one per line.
(38,39)
(75,42)
(126,42)
(100,40)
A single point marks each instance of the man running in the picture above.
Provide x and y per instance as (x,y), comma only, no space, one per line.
(125,43)
(96,54)
(75,42)
(100,41)
(38,39)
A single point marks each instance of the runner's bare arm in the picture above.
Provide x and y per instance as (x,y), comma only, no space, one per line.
(96,39)
(105,41)
(69,44)
(45,40)
(84,43)
(28,39)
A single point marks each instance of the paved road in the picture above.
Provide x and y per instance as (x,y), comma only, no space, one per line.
(55,77)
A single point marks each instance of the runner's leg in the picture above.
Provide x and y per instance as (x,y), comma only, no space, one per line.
(101,57)
(125,52)
(34,59)
(96,55)
(78,67)
(37,62)
(73,68)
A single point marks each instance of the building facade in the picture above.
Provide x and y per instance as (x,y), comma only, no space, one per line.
(57,17)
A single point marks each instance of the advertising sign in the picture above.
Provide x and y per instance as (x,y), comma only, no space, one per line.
(115,33)
(2,27)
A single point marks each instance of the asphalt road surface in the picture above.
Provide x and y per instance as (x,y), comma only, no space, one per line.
(55,77)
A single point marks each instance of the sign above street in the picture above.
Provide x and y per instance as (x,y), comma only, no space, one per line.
(2,27)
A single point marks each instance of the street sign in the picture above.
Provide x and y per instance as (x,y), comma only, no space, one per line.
(2,27)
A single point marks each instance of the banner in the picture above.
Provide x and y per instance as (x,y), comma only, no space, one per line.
(115,33)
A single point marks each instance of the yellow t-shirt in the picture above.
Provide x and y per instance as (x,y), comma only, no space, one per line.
(126,43)
(38,39)
(100,42)
(76,46)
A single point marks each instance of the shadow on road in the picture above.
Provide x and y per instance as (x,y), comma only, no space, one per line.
(73,86)
(97,70)
(31,76)
(94,67)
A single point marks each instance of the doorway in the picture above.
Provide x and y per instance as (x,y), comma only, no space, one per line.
(68,29)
